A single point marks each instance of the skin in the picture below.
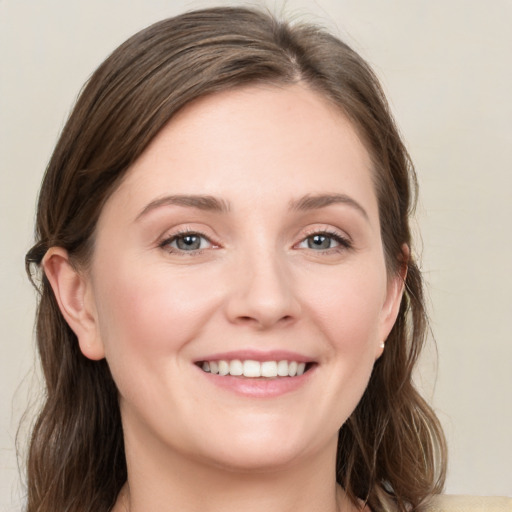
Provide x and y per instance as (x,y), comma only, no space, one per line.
(257,282)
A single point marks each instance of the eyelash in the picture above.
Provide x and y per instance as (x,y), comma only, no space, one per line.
(343,242)
(166,244)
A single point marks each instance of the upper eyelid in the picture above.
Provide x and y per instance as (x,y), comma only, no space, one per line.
(177,231)
(340,240)
(174,236)
(327,230)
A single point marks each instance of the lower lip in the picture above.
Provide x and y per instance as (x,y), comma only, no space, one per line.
(259,387)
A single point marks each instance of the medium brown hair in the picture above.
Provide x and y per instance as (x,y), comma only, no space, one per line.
(391,451)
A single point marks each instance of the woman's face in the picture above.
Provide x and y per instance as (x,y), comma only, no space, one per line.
(247,234)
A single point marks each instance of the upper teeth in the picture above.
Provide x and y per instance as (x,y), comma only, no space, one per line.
(250,368)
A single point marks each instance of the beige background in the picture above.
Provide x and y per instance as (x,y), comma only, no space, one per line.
(446,66)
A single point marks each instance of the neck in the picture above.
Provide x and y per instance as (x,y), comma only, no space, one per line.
(172,482)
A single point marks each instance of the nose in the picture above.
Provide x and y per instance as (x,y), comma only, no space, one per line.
(262,293)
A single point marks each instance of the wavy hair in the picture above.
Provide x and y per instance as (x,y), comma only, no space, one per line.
(391,451)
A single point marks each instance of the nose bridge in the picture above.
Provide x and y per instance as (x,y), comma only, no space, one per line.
(263,291)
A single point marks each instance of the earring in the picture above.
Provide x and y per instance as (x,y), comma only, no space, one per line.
(382,345)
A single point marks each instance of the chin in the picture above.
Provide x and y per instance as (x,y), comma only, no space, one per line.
(256,460)
(266,450)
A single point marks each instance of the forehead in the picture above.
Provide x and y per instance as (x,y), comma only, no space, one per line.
(254,143)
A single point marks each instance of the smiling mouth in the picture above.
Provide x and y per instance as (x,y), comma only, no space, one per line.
(255,369)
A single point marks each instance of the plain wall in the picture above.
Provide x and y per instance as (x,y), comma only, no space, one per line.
(446,67)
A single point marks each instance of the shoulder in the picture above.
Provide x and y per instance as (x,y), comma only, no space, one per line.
(460,503)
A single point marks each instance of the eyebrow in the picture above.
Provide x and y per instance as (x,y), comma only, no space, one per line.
(214,204)
(315,202)
(206,203)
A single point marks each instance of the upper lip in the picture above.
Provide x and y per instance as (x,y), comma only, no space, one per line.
(257,355)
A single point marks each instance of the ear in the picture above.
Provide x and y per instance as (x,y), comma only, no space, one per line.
(74,296)
(391,307)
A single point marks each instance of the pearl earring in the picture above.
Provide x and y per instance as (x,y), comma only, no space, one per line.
(382,345)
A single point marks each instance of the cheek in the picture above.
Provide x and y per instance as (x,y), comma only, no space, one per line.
(342,310)
(348,307)
(348,311)
(145,314)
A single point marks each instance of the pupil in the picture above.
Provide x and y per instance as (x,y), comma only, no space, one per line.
(188,242)
(319,242)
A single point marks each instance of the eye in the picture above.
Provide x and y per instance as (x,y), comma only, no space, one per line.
(186,242)
(324,241)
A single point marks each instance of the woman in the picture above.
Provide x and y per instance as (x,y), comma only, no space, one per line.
(230,308)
